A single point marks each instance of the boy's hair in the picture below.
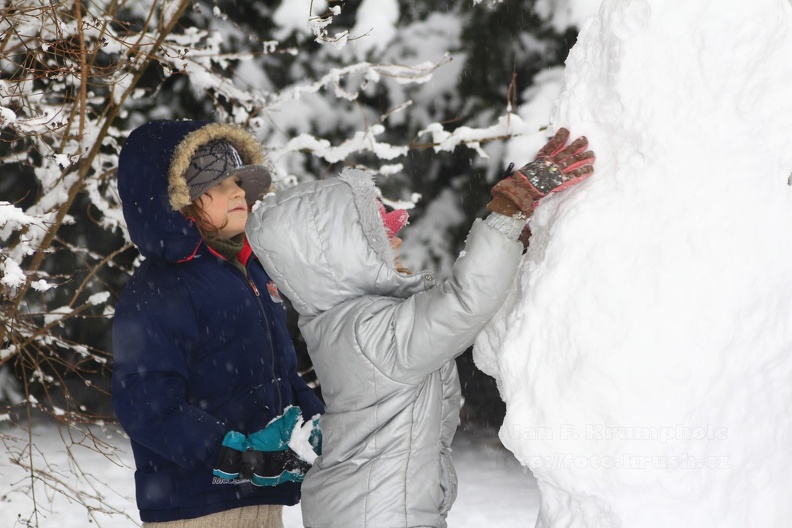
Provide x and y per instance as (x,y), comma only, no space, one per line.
(196,213)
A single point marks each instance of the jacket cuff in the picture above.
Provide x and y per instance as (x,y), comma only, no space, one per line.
(508,225)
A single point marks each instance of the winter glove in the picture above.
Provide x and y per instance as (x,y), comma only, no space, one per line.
(276,467)
(263,457)
(232,448)
(274,462)
(275,437)
(555,168)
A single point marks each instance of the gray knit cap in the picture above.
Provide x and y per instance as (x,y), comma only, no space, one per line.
(217,160)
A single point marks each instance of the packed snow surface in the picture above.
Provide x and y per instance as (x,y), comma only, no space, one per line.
(645,352)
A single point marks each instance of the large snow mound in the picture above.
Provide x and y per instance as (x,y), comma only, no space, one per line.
(645,352)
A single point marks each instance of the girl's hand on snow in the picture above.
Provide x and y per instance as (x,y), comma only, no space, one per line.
(558,166)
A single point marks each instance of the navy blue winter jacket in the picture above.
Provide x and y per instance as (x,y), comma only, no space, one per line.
(199,348)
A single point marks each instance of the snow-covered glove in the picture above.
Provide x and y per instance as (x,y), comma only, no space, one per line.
(275,436)
(276,467)
(556,167)
(270,461)
(263,457)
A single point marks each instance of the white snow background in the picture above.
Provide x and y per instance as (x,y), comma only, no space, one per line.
(494,489)
(645,355)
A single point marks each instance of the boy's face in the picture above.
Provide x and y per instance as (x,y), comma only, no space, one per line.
(226,208)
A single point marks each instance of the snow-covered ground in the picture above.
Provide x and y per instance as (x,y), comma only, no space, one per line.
(494,490)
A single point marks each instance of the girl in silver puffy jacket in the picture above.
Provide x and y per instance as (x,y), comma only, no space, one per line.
(383,341)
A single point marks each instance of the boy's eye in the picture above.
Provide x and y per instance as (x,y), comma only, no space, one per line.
(238,181)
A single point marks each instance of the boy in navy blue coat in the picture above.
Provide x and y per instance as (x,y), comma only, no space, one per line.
(204,379)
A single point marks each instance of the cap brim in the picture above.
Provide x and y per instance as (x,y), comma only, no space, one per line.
(256,180)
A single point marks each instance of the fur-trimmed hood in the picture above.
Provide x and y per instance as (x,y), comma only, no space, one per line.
(151,181)
(335,226)
(248,147)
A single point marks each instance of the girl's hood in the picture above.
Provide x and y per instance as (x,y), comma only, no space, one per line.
(324,243)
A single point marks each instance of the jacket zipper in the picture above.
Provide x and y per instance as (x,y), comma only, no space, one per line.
(255,289)
(269,338)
